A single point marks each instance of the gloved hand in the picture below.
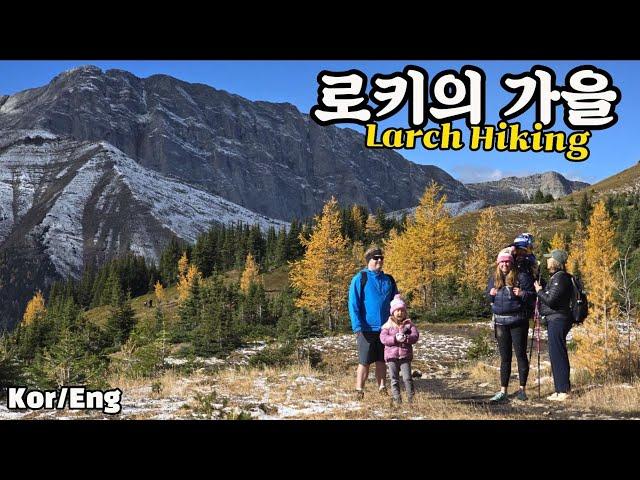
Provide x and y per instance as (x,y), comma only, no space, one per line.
(400,337)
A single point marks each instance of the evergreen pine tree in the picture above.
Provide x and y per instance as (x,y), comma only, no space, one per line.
(632,234)
(169,262)
(538,197)
(584,210)
(121,320)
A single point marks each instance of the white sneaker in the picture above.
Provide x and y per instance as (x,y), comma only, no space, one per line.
(562,397)
(553,396)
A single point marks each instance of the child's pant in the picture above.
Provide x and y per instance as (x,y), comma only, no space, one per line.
(397,368)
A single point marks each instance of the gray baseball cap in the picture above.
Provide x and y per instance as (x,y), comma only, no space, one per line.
(559,256)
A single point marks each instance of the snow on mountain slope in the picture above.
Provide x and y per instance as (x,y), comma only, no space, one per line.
(88,200)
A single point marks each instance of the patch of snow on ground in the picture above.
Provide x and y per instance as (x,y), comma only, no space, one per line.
(6,414)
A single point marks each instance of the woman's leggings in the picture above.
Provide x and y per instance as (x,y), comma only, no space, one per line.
(517,335)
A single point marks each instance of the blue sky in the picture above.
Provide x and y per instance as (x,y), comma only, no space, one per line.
(293,81)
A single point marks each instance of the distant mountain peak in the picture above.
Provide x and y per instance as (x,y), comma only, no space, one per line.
(516,189)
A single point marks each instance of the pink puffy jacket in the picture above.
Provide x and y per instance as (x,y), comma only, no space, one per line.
(394,350)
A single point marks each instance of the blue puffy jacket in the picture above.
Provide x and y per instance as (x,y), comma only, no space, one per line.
(368,314)
(506,303)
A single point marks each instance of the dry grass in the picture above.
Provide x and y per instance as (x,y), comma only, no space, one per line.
(612,398)
(489,373)
(335,392)
(302,392)
(172,384)
(627,180)
(513,218)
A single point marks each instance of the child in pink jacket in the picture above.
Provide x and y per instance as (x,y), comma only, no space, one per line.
(398,335)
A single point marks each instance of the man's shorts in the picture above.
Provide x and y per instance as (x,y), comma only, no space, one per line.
(370,348)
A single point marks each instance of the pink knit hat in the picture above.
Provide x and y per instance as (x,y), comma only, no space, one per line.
(397,303)
(505,256)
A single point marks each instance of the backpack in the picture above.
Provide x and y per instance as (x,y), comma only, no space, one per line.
(579,303)
(363,282)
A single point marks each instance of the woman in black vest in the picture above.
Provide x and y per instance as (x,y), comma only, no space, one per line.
(555,311)
(511,295)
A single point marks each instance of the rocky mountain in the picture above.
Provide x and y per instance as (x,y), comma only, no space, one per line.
(267,157)
(517,189)
(97,163)
(67,203)
(454,209)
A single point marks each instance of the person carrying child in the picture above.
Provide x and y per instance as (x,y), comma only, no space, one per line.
(512,295)
(398,336)
(524,259)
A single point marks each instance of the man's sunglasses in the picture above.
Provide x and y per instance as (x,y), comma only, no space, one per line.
(377,257)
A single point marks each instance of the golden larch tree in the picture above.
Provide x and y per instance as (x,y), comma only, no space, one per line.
(373,228)
(426,251)
(186,275)
(558,242)
(357,254)
(324,272)
(598,340)
(183,264)
(35,309)
(159,291)
(250,274)
(484,248)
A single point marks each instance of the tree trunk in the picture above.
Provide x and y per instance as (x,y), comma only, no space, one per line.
(606,341)
(629,348)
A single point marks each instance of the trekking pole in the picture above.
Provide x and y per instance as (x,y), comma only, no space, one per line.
(537,330)
(533,331)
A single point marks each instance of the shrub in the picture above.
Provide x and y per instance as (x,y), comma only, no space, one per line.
(481,347)
(274,356)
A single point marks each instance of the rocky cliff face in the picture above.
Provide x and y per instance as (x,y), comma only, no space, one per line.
(267,157)
(517,189)
(64,204)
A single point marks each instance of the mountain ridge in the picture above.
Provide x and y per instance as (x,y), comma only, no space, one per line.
(268,157)
(514,189)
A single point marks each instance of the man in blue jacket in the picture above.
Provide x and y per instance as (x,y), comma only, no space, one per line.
(370,295)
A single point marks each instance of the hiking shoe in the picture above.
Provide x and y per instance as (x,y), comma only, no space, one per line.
(359,395)
(498,397)
(521,395)
(553,396)
(561,397)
